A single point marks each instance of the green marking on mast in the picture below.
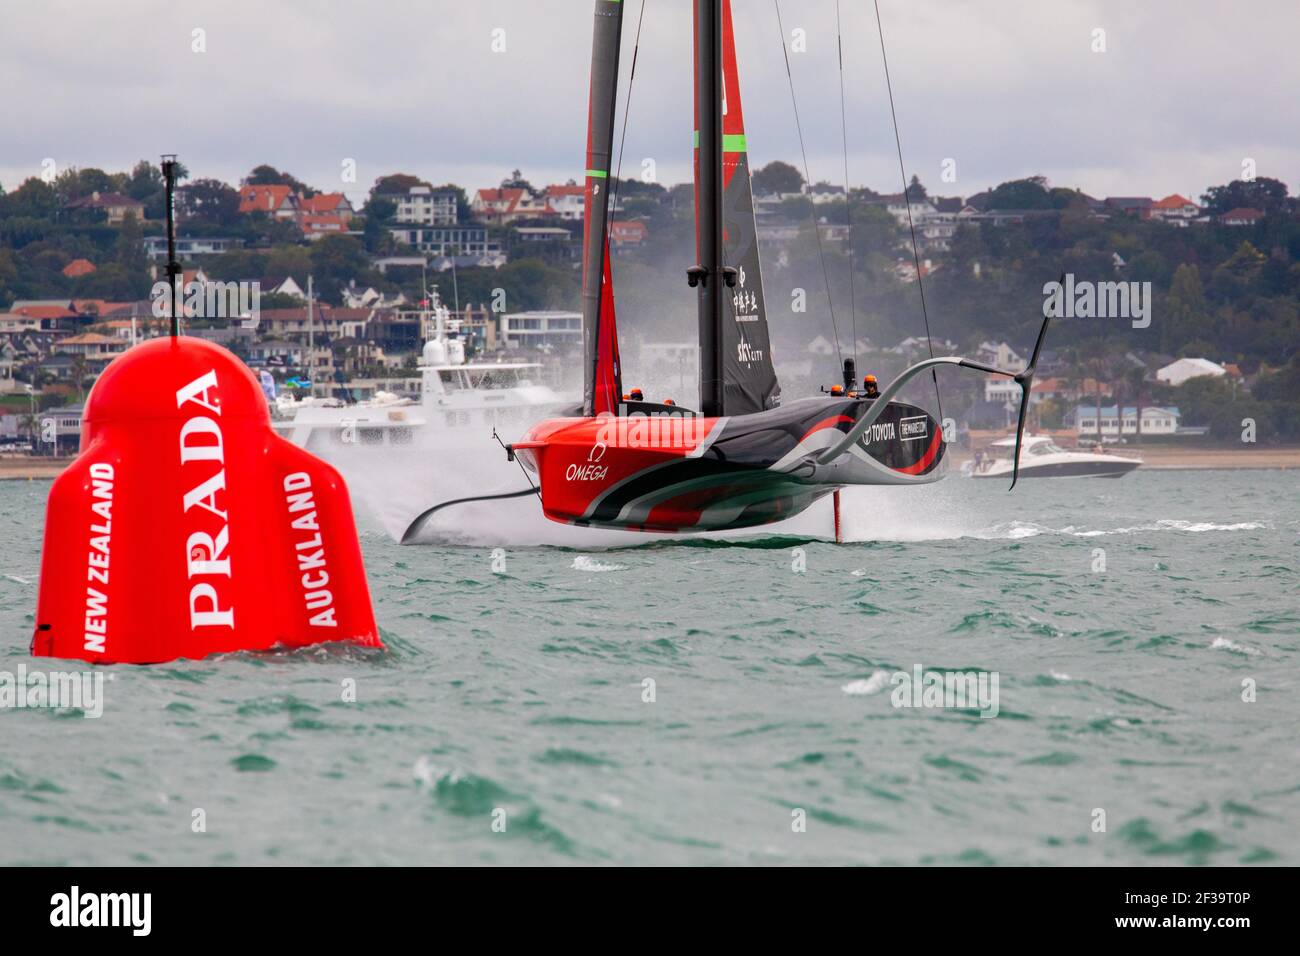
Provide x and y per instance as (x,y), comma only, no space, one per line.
(731,142)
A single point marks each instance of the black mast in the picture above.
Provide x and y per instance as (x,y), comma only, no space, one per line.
(708,276)
(173,267)
(606,40)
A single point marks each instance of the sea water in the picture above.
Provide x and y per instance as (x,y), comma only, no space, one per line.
(712,703)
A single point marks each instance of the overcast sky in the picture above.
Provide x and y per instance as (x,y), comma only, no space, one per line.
(1185,90)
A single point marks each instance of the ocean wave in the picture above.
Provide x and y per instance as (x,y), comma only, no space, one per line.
(872,685)
(584,562)
(1028,529)
(1224,644)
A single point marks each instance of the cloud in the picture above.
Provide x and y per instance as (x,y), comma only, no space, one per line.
(1183,93)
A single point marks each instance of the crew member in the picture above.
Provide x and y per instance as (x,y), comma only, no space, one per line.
(869,387)
(637,395)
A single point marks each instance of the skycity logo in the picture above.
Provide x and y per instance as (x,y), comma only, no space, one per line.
(960,690)
(210,300)
(1099,300)
(134,910)
(57,690)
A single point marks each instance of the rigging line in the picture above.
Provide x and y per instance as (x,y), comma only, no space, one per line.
(907,201)
(821,254)
(848,195)
(627,109)
(506,448)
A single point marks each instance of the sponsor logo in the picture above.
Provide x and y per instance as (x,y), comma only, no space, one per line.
(586,473)
(310,550)
(746,354)
(201,441)
(97,557)
(914,428)
(879,431)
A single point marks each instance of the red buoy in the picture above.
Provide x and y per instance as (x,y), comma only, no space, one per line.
(187,527)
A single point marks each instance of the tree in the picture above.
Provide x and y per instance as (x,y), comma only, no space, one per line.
(516,181)
(266,175)
(915,191)
(395,183)
(35,199)
(1266,195)
(129,251)
(1187,312)
(778,178)
(210,202)
(335,260)
(146,181)
(1030,193)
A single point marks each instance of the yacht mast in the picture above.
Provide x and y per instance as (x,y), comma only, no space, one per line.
(709,275)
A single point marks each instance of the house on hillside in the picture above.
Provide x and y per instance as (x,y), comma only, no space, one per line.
(567,201)
(1175,209)
(509,204)
(1139,206)
(316,227)
(627,233)
(92,346)
(78,267)
(114,205)
(447,240)
(1241,216)
(821,193)
(1183,369)
(277,201)
(424,205)
(327,204)
(281,285)
(187,247)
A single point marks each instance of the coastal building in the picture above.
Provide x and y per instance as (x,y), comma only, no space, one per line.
(187,247)
(327,204)
(448,240)
(92,346)
(424,205)
(509,204)
(115,206)
(1175,209)
(1155,421)
(566,201)
(542,329)
(78,267)
(277,201)
(628,233)
(65,424)
(1175,373)
(1241,217)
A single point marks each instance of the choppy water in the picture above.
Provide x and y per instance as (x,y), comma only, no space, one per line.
(1119,690)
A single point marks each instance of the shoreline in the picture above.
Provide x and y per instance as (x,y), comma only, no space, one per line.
(1154,458)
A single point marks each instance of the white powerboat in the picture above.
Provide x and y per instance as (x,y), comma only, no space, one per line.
(1040,457)
(403,455)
